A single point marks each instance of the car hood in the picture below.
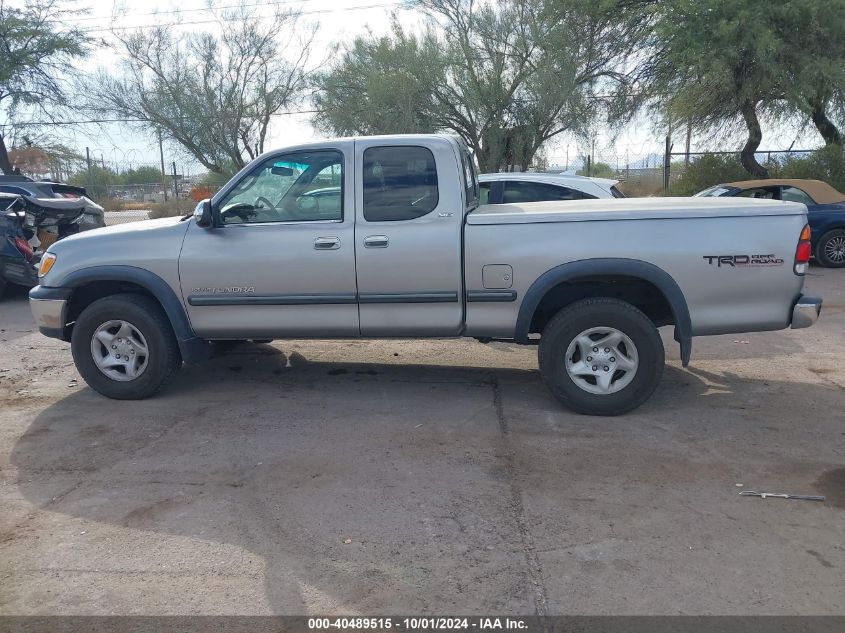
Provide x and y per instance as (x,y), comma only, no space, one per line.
(150,244)
(125,231)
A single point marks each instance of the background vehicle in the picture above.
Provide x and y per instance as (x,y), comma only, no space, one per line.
(93,216)
(26,228)
(408,252)
(825,210)
(516,187)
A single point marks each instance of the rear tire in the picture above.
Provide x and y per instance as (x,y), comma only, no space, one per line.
(151,333)
(601,382)
(830,249)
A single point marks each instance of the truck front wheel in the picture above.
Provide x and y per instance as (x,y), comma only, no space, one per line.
(124,347)
(601,356)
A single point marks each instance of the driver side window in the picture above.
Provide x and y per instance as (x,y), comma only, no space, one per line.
(295,187)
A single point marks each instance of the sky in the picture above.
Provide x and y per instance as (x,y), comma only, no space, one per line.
(340,21)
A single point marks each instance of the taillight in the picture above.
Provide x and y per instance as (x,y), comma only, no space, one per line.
(803,251)
(24,247)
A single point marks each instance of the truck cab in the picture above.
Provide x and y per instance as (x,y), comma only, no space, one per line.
(357,237)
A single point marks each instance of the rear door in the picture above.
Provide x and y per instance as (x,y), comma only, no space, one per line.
(410,208)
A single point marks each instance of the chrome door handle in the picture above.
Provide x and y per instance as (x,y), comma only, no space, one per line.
(376,241)
(327,243)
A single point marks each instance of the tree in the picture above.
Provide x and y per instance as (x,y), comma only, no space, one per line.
(96,180)
(144,175)
(505,76)
(721,64)
(38,56)
(213,94)
(814,60)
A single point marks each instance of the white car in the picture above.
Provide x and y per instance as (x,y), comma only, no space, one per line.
(517,187)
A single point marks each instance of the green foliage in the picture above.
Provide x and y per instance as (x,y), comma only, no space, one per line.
(706,171)
(827,164)
(96,183)
(506,76)
(598,170)
(144,175)
(38,55)
(721,63)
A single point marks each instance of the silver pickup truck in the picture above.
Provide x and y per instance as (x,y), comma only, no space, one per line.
(383,237)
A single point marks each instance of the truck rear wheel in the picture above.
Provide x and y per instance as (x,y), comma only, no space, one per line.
(124,347)
(601,356)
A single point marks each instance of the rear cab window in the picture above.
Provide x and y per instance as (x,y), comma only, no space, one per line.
(399,183)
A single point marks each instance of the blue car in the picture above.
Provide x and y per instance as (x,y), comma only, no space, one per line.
(825,210)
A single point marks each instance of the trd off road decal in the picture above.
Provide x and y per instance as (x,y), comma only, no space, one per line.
(743,261)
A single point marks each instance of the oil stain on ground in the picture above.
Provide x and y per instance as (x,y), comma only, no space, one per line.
(832,485)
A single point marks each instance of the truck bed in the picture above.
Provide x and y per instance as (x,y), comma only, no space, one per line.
(630,209)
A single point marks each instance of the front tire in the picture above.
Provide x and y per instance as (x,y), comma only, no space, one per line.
(124,347)
(830,249)
(601,356)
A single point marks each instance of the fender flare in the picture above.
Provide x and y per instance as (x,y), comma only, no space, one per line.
(633,268)
(190,346)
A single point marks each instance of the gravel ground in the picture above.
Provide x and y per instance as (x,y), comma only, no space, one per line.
(363,477)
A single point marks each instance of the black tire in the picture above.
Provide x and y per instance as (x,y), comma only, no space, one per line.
(581,316)
(149,319)
(831,238)
(2,286)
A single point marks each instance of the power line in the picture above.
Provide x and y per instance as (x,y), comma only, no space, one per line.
(88,18)
(215,21)
(93,121)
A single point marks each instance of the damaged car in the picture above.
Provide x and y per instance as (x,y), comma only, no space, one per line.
(28,226)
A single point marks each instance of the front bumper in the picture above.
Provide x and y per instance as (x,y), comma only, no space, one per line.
(806,312)
(49,308)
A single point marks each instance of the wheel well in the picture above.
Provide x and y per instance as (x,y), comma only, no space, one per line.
(85,295)
(638,292)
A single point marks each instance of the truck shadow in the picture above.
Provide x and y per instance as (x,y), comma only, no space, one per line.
(350,487)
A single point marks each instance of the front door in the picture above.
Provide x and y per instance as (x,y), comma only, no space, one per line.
(280,260)
(408,238)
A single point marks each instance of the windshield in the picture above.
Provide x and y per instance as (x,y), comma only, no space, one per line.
(713,192)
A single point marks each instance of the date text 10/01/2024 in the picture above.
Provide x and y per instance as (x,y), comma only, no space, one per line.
(418,623)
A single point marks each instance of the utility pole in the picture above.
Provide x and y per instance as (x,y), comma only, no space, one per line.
(175,186)
(689,140)
(88,162)
(161,155)
(667,162)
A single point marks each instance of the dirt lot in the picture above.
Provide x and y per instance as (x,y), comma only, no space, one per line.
(396,476)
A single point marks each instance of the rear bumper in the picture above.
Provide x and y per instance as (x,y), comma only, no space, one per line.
(806,312)
(49,308)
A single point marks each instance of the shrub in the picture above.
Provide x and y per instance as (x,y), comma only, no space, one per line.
(706,171)
(827,164)
(170,208)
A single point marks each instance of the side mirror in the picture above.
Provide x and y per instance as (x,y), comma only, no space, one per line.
(202,214)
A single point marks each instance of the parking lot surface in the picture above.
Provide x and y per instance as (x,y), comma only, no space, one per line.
(378,477)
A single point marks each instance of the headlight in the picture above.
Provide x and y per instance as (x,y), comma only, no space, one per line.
(47,261)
